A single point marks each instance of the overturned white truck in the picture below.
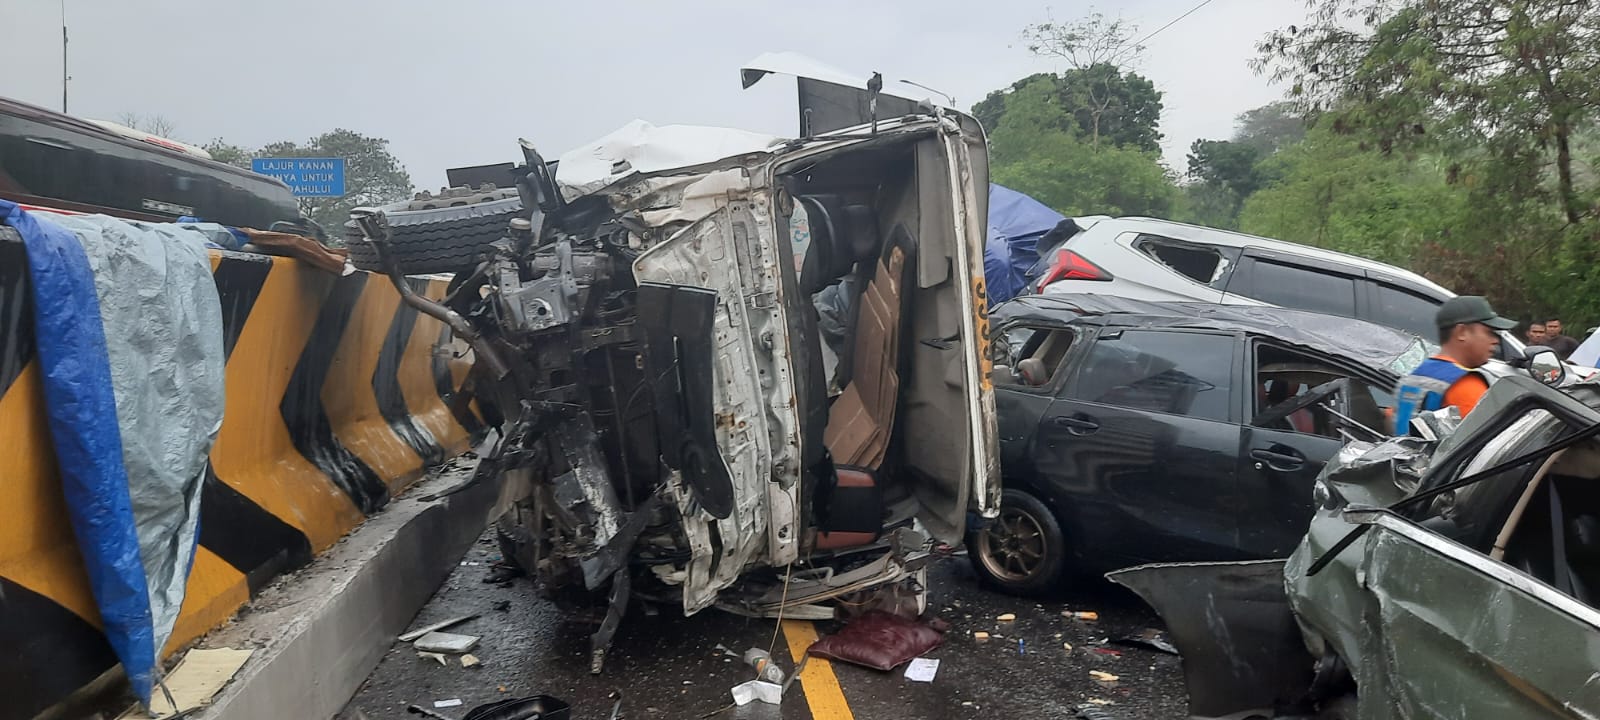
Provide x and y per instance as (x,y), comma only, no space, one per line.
(647,345)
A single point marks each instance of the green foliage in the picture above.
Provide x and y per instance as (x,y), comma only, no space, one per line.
(1336,195)
(1119,108)
(1269,128)
(1034,152)
(1223,174)
(1470,123)
(224,152)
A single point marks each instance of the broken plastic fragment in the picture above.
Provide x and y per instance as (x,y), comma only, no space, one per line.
(1008,617)
(419,632)
(433,656)
(470,661)
(757,690)
(1104,679)
(922,669)
(445,642)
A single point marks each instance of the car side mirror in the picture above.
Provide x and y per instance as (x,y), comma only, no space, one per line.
(1544,365)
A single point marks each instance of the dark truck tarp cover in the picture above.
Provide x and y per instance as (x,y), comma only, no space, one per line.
(1016,222)
(129,345)
(1395,351)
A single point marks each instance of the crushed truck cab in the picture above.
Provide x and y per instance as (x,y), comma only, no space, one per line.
(648,346)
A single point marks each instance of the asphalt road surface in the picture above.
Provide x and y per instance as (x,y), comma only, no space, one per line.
(668,667)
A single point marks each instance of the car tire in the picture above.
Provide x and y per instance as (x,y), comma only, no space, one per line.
(1023,551)
(441,240)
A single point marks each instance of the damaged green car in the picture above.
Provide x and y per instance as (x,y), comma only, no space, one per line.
(1439,579)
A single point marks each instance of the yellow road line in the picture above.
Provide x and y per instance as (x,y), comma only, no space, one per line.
(823,693)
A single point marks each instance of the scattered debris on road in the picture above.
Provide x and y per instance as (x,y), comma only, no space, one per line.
(1149,638)
(1093,710)
(922,669)
(419,632)
(765,668)
(880,641)
(1104,679)
(443,642)
(470,660)
(197,678)
(757,690)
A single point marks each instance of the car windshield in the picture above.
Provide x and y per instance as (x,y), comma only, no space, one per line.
(1413,356)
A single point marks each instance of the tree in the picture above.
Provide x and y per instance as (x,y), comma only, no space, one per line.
(1516,77)
(1128,115)
(224,152)
(1033,153)
(157,125)
(1098,85)
(372,175)
(1222,173)
(1269,128)
(1226,164)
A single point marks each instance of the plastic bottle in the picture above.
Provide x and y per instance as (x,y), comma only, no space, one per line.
(761,660)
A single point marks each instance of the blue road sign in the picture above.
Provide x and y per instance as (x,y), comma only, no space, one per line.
(306,177)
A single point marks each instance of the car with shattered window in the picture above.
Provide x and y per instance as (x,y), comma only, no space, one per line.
(648,346)
(1136,431)
(1454,578)
(1153,259)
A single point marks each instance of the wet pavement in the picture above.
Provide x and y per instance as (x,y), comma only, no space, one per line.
(667,666)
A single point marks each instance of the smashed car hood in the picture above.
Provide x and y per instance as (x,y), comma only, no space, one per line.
(1433,629)
(640,148)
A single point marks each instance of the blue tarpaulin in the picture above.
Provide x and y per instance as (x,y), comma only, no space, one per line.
(1016,222)
(129,342)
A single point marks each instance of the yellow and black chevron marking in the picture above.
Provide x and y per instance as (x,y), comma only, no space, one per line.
(338,396)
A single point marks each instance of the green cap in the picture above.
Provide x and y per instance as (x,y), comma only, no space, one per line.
(1468,309)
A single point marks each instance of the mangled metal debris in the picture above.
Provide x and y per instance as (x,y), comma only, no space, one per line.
(647,350)
(1444,579)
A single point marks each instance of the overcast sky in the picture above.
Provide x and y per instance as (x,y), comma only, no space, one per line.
(456,82)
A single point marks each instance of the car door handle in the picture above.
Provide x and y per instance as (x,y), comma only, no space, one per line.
(1281,462)
(1079,424)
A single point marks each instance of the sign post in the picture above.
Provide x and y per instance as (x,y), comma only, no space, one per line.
(306,177)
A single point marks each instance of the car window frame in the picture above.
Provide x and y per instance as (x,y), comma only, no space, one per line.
(1354,371)
(1067,366)
(1243,280)
(1231,255)
(1377,283)
(1068,390)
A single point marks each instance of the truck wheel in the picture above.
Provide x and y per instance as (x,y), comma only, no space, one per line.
(441,240)
(1023,551)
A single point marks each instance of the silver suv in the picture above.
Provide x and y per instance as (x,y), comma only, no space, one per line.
(1148,259)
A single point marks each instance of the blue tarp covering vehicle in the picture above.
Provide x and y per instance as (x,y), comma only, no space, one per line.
(1016,222)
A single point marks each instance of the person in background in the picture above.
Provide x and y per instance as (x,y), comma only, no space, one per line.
(1553,339)
(1468,337)
(1535,334)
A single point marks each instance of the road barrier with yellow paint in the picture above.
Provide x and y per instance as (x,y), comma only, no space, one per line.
(338,396)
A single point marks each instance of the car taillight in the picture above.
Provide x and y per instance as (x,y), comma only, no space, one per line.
(1069,265)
